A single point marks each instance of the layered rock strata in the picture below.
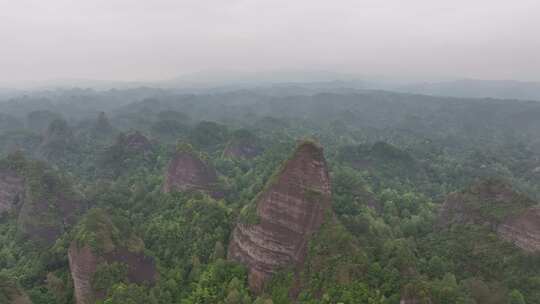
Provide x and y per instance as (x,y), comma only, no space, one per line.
(289,211)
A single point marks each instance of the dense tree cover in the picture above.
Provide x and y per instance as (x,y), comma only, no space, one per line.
(393,158)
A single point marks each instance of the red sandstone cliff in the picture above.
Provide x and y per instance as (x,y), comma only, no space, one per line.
(83,263)
(187,172)
(523,230)
(86,257)
(512,215)
(289,211)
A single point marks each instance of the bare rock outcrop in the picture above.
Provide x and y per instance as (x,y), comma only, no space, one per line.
(11,189)
(83,265)
(85,258)
(187,172)
(288,212)
(523,230)
(514,216)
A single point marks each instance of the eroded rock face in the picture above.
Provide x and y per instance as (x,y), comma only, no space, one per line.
(11,189)
(523,230)
(289,211)
(186,172)
(83,263)
(512,215)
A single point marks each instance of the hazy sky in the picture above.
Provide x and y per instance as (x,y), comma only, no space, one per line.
(161,39)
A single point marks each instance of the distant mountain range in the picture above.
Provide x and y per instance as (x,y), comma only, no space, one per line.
(304,82)
(504,89)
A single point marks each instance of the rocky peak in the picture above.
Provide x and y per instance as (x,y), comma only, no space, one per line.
(288,212)
(99,243)
(487,201)
(244,144)
(102,124)
(99,129)
(493,202)
(57,139)
(187,172)
(50,204)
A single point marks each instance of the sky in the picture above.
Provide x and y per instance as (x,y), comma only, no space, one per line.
(152,40)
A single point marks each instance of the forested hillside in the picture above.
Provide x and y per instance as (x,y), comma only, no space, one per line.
(154,196)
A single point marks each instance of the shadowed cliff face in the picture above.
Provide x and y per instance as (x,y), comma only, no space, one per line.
(289,211)
(40,223)
(186,172)
(11,189)
(49,204)
(99,242)
(83,263)
(512,215)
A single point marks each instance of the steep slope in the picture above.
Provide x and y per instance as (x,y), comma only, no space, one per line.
(288,212)
(10,293)
(100,246)
(50,204)
(243,144)
(493,202)
(11,189)
(129,151)
(523,230)
(187,172)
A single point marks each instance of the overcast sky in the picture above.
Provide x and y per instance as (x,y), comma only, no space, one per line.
(161,39)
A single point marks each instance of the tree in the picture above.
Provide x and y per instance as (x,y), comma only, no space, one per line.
(516,297)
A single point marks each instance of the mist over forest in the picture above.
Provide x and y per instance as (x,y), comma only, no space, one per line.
(269,152)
